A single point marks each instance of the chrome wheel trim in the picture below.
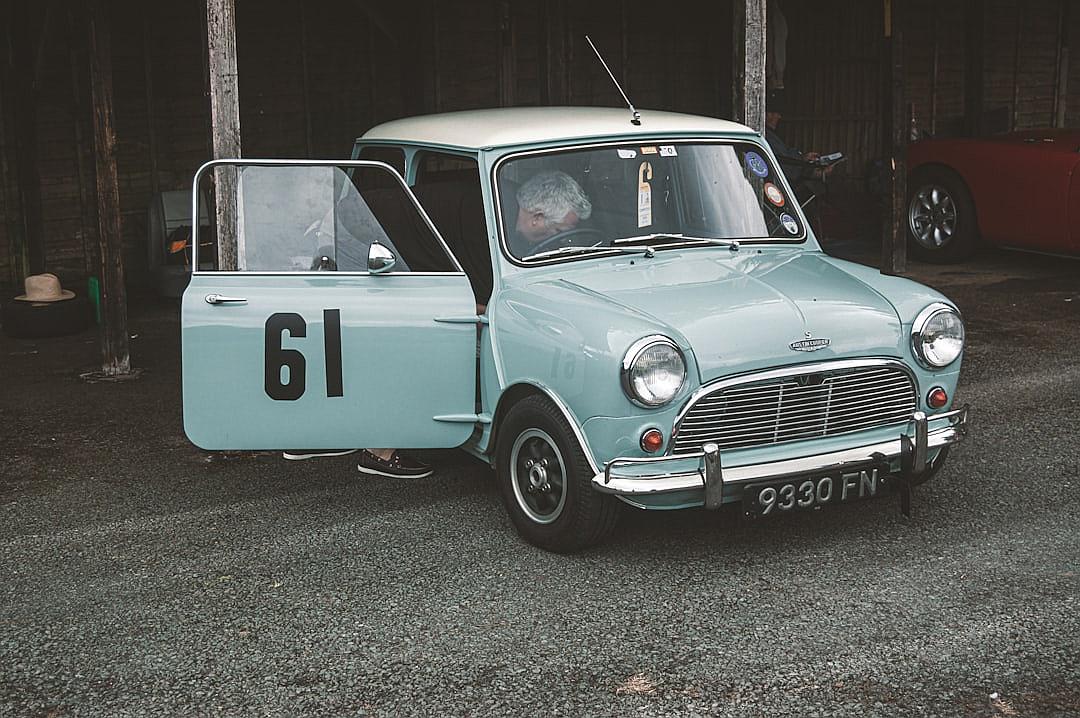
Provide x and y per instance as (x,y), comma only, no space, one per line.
(932,216)
(538,476)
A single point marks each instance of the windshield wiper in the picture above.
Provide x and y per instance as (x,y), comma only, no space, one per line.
(628,249)
(732,244)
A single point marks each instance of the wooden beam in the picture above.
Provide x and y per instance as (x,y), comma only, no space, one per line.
(305,77)
(1061,87)
(224,122)
(974,65)
(895,121)
(553,61)
(148,75)
(1016,64)
(76,55)
(115,355)
(21,69)
(748,90)
(506,51)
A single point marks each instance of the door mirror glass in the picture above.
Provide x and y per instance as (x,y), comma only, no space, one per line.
(380,259)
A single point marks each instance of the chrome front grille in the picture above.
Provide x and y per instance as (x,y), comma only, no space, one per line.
(801,403)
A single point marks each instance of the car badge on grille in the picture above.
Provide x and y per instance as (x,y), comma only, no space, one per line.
(809,344)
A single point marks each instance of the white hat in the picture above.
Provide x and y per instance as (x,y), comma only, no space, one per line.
(44,288)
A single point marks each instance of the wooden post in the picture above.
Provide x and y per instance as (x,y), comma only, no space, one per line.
(115,356)
(507,53)
(553,57)
(76,50)
(748,91)
(21,71)
(305,79)
(1016,65)
(974,24)
(148,74)
(895,121)
(224,122)
(1061,87)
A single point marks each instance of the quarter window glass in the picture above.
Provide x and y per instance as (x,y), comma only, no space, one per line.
(442,167)
(324,218)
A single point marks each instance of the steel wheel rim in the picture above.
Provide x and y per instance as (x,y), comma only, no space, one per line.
(538,475)
(932,216)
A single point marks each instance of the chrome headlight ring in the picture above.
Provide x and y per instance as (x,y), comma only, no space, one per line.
(653,371)
(937,336)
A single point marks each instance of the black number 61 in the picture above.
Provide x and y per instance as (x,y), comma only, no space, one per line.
(276,357)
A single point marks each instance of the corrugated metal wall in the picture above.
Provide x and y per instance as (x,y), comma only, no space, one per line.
(315,75)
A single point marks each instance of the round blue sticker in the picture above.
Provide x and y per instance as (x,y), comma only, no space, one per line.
(789,223)
(756,164)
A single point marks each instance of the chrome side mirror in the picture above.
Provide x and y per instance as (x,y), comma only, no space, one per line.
(380,259)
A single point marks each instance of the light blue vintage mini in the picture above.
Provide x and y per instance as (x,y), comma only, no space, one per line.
(608,312)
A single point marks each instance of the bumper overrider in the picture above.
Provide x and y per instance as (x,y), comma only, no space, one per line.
(638,478)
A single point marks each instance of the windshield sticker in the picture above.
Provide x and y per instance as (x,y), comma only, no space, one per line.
(648,150)
(773,194)
(668,151)
(756,164)
(789,223)
(644,195)
(627,154)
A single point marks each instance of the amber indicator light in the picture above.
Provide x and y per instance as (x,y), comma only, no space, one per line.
(652,441)
(937,398)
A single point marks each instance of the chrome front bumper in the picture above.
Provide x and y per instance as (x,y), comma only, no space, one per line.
(710,475)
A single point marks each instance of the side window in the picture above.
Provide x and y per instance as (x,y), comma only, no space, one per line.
(448,187)
(443,167)
(324,217)
(393,156)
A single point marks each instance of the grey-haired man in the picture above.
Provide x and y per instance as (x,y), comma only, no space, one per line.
(548,203)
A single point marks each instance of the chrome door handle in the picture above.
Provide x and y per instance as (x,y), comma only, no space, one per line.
(219,299)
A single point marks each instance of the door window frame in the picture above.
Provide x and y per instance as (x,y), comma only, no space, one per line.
(314,163)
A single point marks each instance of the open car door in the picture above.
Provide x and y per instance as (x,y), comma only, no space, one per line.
(346,323)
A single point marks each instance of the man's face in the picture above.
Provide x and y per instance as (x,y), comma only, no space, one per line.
(772,120)
(534,227)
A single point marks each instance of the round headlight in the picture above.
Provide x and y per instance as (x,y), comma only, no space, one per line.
(653,371)
(937,336)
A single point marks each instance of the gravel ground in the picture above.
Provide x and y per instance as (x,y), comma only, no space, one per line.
(140,575)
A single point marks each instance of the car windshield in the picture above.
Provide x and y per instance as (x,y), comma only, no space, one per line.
(659,195)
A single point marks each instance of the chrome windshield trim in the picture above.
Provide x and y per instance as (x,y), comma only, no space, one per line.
(749,139)
(793,370)
(305,163)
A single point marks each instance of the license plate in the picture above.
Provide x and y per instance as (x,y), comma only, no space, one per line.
(799,493)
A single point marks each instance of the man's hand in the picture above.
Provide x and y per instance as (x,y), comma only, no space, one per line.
(811,156)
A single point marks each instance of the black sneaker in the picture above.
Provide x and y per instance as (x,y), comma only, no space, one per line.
(301,454)
(398,466)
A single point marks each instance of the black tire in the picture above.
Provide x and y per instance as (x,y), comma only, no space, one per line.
(565,518)
(940,217)
(25,320)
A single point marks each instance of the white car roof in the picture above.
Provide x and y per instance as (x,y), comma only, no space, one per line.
(474,129)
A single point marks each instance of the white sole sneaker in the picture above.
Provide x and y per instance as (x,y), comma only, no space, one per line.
(316,454)
(375,472)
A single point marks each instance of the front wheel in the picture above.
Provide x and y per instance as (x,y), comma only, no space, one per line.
(546,481)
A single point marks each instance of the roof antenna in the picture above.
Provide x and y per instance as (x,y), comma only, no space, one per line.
(635,115)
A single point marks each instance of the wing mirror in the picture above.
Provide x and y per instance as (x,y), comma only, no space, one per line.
(380,259)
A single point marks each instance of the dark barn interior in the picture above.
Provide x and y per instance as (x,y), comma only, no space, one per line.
(313,76)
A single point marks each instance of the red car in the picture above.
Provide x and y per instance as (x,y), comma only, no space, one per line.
(1020,190)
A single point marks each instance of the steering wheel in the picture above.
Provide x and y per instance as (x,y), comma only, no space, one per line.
(565,239)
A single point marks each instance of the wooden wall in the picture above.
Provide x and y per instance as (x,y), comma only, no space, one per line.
(313,76)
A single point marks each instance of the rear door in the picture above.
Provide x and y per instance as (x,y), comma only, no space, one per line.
(303,344)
